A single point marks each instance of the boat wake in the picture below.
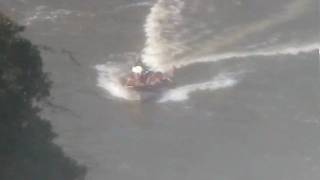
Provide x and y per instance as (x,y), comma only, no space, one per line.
(166,47)
(161,27)
(170,41)
(182,93)
(275,51)
(108,79)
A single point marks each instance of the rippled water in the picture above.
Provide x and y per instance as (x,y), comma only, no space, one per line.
(246,100)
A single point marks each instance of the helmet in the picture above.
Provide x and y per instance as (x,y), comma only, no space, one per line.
(137,69)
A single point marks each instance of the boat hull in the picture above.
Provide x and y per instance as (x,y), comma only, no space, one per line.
(148,92)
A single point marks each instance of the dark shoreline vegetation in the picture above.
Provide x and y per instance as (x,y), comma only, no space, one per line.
(26,148)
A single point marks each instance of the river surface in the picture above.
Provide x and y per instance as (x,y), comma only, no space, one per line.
(245,105)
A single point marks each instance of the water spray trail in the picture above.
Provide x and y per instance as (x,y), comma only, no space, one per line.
(223,80)
(292,11)
(162,48)
(161,25)
(108,79)
(268,52)
(138,4)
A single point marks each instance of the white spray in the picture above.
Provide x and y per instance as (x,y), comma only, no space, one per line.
(182,93)
(165,21)
(160,27)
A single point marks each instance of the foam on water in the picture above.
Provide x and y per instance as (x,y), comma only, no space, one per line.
(43,13)
(291,11)
(293,50)
(162,46)
(163,26)
(160,29)
(182,93)
(108,79)
(137,4)
(108,75)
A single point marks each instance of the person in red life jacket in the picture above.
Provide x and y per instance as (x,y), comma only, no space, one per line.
(136,77)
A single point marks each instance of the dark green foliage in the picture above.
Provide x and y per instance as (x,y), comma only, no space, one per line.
(26,148)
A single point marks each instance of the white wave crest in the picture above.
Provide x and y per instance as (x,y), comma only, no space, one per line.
(223,80)
(109,80)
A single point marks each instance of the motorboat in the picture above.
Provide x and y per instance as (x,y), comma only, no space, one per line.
(143,79)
